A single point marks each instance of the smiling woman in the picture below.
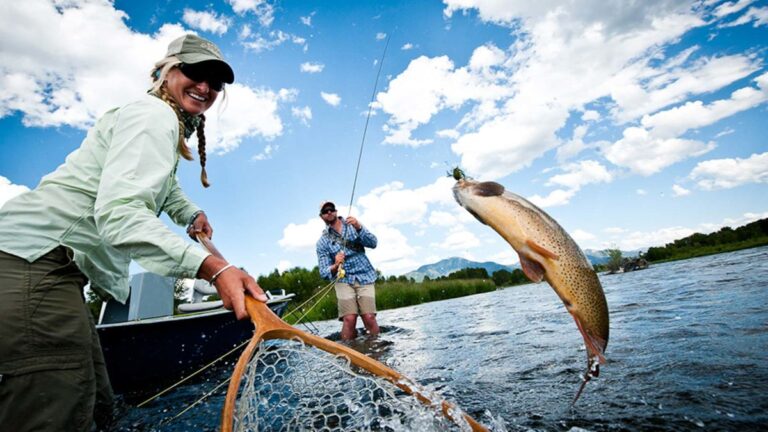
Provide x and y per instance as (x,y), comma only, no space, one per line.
(85,222)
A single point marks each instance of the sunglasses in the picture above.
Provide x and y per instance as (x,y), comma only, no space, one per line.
(198,73)
(326,211)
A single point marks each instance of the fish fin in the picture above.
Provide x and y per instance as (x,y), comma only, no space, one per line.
(532,269)
(541,250)
(595,344)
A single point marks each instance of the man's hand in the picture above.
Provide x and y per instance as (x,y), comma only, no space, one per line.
(351,220)
(200,225)
(339,258)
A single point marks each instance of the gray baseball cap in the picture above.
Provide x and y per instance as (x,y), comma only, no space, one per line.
(191,49)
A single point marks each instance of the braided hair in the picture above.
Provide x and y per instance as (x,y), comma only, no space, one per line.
(159,74)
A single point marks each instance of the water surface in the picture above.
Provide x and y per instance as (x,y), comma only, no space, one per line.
(688,350)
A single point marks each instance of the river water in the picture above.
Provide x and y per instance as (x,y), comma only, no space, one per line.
(688,350)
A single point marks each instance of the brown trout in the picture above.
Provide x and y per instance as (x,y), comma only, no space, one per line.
(548,253)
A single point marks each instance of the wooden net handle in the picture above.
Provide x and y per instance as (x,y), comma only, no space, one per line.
(270,326)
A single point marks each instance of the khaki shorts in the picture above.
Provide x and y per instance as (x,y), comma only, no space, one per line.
(355,299)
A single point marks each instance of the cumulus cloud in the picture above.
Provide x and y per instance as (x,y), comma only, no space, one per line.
(679,191)
(393,204)
(575,176)
(206,21)
(301,236)
(264,11)
(55,73)
(310,67)
(646,154)
(246,112)
(304,114)
(258,42)
(9,190)
(458,239)
(331,99)
(729,173)
(695,114)
(516,100)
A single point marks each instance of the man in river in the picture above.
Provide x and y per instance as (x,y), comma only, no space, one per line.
(341,257)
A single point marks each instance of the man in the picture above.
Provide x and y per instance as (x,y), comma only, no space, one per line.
(341,255)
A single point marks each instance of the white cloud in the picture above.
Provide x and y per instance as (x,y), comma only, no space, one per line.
(247,112)
(302,236)
(555,198)
(273,39)
(679,191)
(264,11)
(582,236)
(55,73)
(564,58)
(614,230)
(391,250)
(758,16)
(9,190)
(590,115)
(283,265)
(266,153)
(575,176)
(581,173)
(310,67)
(458,239)
(331,99)
(641,192)
(304,114)
(392,204)
(645,154)
(206,21)
(643,239)
(407,46)
(448,133)
(380,36)
(442,218)
(307,20)
(730,173)
(674,122)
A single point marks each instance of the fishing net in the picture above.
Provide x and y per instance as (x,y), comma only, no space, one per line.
(289,386)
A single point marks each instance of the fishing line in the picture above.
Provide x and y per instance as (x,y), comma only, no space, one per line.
(367,120)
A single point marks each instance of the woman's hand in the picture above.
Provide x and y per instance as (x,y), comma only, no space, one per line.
(200,225)
(232,284)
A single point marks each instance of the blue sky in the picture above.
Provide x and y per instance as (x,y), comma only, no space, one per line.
(631,123)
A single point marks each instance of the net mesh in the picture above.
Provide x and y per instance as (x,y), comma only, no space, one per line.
(290,386)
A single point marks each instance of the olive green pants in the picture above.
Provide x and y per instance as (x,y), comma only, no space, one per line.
(52,371)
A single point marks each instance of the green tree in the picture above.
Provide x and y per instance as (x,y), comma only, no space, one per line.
(614,259)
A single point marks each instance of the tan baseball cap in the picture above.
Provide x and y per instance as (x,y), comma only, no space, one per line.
(192,49)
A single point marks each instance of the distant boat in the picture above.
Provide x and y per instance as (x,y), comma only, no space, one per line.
(146,347)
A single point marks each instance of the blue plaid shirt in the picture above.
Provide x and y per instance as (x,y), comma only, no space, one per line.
(356,264)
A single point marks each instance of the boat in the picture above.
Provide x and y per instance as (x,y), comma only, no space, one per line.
(147,347)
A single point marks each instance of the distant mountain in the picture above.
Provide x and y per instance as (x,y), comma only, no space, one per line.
(449,265)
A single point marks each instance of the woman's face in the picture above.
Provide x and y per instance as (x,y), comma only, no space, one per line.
(193,97)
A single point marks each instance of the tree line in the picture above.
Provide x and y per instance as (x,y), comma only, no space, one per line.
(725,240)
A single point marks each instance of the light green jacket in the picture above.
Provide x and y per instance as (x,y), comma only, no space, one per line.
(104,202)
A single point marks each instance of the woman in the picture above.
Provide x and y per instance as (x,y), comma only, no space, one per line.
(86,221)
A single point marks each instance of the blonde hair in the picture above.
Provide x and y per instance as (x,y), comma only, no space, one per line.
(159,75)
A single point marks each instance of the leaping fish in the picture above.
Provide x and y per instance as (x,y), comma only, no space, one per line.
(546,252)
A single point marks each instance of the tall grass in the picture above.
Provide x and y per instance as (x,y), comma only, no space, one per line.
(391,295)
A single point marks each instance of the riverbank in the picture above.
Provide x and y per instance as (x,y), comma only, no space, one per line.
(391,295)
(714,250)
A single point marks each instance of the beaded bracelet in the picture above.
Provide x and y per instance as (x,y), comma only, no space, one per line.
(213,279)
